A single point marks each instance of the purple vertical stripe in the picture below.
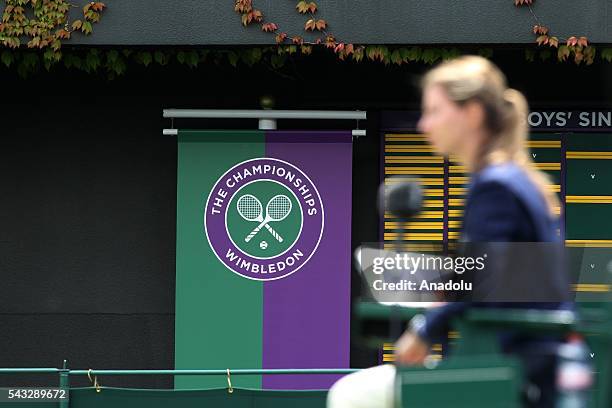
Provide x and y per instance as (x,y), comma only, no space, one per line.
(306,316)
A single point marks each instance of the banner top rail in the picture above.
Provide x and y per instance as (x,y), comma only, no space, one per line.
(263,114)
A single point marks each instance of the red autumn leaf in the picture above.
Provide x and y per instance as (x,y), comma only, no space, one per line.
(522,2)
(297,40)
(349,49)
(63,34)
(321,24)
(243,6)
(281,37)
(339,48)
(99,6)
(257,15)
(572,41)
(269,27)
(540,29)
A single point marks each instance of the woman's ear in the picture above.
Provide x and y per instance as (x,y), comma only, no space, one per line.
(474,114)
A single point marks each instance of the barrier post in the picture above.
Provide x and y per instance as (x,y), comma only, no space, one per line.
(64,384)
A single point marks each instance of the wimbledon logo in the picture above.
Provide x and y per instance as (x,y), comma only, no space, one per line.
(264,219)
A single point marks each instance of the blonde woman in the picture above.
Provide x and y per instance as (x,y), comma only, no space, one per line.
(469,112)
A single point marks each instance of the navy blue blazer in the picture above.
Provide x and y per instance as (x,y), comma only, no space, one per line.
(502,205)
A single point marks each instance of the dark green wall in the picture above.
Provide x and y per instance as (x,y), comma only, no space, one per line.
(196,22)
(87,211)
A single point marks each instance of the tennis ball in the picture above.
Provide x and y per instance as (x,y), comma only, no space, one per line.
(263,244)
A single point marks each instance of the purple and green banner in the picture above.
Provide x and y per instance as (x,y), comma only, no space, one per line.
(263,255)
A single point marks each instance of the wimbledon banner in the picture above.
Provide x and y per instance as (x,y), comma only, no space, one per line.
(263,255)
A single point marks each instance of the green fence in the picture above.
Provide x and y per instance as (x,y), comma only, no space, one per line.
(99,396)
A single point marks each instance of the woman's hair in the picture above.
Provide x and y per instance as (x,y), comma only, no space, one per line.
(472,78)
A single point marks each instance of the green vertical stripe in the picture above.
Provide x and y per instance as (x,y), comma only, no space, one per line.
(218,314)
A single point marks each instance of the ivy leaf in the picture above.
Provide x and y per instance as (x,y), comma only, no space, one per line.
(310,25)
(450,54)
(160,58)
(431,55)
(98,6)
(87,27)
(269,27)
(304,7)
(578,57)
(306,49)
(77,24)
(192,59)
(115,63)
(530,55)
(540,29)
(180,57)
(7,58)
(144,58)
(543,39)
(277,60)
(553,42)
(112,56)
(233,58)
(251,56)
(563,53)
(92,60)
(396,57)
(583,41)
(280,38)
(358,53)
(572,41)
(545,54)
(606,54)
(71,60)
(56,45)
(589,54)
(414,53)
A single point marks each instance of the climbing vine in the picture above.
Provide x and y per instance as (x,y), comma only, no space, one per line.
(44,24)
(573,47)
(576,48)
(33,34)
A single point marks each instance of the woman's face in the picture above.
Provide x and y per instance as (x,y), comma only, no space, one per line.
(443,122)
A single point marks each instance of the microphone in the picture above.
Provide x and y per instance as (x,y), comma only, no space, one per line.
(402,200)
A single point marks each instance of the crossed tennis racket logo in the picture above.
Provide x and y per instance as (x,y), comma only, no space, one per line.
(277,209)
